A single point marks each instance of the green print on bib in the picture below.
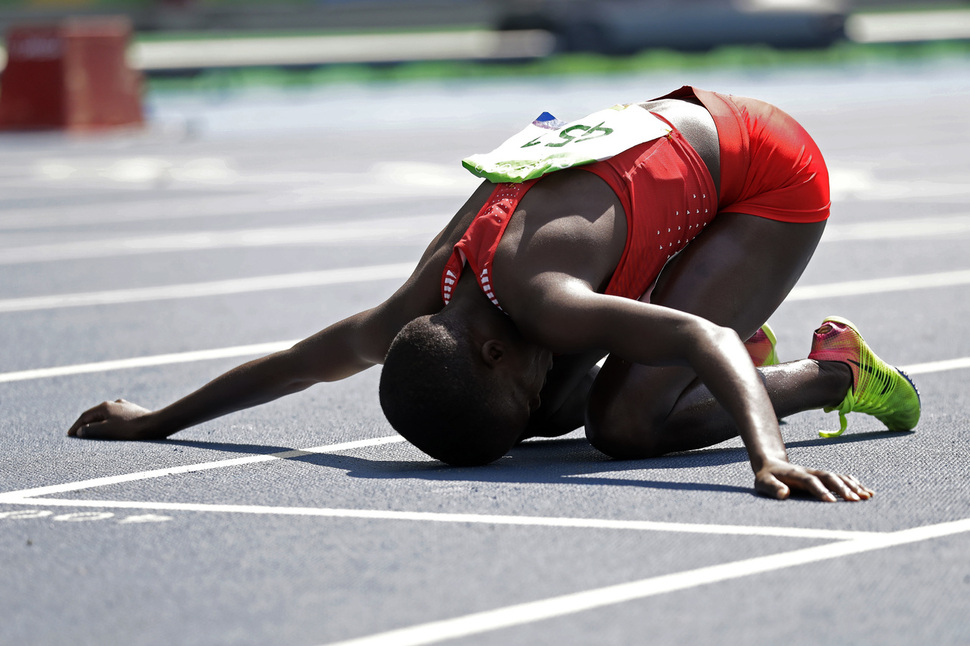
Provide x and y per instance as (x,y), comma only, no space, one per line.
(548,144)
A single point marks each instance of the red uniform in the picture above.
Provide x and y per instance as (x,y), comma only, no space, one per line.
(770,168)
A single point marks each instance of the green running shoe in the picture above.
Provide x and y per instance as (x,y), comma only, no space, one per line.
(761,347)
(878,389)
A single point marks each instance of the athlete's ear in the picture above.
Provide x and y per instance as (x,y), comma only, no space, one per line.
(493,351)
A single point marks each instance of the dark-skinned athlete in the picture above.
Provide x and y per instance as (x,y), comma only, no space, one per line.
(659,255)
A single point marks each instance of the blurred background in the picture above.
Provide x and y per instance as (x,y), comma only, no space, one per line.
(171,35)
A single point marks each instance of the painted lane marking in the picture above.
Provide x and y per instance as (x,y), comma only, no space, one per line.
(143,519)
(259,349)
(414,229)
(346,275)
(385,182)
(83,516)
(194,468)
(31,514)
(25,514)
(891,229)
(32,497)
(340,276)
(880,285)
(411,229)
(308,200)
(435,517)
(144,362)
(937,366)
(568,604)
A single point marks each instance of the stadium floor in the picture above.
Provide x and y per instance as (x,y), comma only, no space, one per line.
(139,265)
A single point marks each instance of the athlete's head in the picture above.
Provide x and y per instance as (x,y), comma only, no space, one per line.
(460,397)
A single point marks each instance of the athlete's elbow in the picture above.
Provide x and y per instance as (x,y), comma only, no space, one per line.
(713,339)
(724,335)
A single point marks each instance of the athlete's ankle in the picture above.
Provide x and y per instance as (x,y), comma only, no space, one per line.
(837,379)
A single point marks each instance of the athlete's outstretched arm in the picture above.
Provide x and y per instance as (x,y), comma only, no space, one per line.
(337,352)
(341,350)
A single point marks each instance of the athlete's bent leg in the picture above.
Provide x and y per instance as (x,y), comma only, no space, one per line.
(735,274)
(563,399)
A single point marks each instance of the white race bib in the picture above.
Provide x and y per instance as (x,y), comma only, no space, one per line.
(548,144)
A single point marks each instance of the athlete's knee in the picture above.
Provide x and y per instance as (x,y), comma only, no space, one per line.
(621,427)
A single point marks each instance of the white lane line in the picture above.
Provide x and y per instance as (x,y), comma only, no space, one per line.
(880,285)
(220,206)
(568,604)
(414,516)
(951,225)
(396,229)
(338,276)
(275,346)
(936,366)
(193,468)
(402,270)
(414,228)
(144,362)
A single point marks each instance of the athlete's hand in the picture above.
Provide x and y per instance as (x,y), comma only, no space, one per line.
(777,480)
(117,420)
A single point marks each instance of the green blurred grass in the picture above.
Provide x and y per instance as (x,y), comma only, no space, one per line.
(751,58)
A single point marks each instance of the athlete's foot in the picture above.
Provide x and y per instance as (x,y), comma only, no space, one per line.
(761,347)
(877,389)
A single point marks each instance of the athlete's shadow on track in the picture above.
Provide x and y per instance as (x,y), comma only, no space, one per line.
(557,461)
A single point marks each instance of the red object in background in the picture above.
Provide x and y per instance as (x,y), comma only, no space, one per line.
(70,76)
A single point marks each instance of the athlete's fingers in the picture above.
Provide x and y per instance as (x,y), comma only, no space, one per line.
(810,482)
(96,414)
(101,431)
(92,431)
(770,486)
(816,487)
(858,487)
(835,484)
(855,486)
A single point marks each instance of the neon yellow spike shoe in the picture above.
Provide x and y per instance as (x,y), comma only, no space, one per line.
(761,347)
(878,389)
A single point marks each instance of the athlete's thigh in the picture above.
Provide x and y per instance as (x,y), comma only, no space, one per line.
(735,274)
(739,270)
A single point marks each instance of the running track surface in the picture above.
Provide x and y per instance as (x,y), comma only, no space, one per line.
(142,264)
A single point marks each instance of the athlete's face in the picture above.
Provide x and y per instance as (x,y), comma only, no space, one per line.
(529,366)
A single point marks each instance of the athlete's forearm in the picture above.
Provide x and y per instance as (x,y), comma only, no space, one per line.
(329,355)
(653,335)
(339,351)
(251,384)
(724,366)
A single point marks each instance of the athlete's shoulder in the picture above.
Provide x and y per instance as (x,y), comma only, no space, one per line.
(571,225)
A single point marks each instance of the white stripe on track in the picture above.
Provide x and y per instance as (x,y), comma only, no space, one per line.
(397,229)
(951,225)
(276,346)
(402,270)
(437,517)
(338,276)
(414,227)
(379,272)
(193,468)
(880,285)
(534,611)
(936,366)
(225,207)
(144,362)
